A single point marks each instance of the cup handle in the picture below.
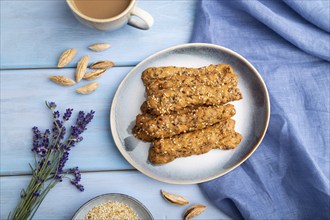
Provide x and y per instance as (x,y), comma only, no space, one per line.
(145,20)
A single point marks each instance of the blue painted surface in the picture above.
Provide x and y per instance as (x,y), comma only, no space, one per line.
(64,200)
(23,93)
(33,35)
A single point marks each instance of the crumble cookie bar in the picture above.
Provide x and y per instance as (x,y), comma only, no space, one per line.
(146,116)
(165,126)
(153,73)
(138,131)
(159,159)
(218,136)
(146,110)
(213,79)
(192,139)
(172,100)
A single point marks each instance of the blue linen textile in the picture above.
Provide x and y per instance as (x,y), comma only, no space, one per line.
(289,44)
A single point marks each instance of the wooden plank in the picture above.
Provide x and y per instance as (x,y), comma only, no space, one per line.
(34,33)
(64,199)
(23,93)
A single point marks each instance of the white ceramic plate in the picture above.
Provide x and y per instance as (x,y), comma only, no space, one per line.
(252,115)
(134,204)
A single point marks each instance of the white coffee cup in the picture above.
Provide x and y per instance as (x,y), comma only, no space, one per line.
(128,16)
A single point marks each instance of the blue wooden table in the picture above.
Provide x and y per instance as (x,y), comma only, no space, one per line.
(33,35)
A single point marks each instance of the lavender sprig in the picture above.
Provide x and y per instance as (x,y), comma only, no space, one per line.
(77,177)
(51,150)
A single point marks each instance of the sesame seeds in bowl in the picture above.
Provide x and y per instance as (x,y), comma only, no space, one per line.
(116,205)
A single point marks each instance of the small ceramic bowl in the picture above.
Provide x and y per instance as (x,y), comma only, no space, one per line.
(137,206)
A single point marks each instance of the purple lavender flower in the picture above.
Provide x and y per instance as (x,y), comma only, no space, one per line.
(67,114)
(56,114)
(77,185)
(76,130)
(36,137)
(77,177)
(81,125)
(79,139)
(51,105)
(75,171)
(89,117)
(80,187)
(62,133)
(41,142)
(36,194)
(45,139)
(63,160)
(51,154)
(36,131)
(58,177)
(57,128)
(47,132)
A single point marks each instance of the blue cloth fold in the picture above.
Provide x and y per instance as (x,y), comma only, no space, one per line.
(316,12)
(289,44)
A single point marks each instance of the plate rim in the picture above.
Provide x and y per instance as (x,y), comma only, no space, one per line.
(112,194)
(207,45)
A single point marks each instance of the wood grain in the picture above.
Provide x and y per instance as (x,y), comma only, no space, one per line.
(35,33)
(63,201)
(23,93)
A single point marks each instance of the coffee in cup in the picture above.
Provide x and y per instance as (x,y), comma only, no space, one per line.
(101,9)
(110,14)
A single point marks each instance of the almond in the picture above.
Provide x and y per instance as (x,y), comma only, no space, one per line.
(89,88)
(193,211)
(174,199)
(104,64)
(66,57)
(94,74)
(62,80)
(81,68)
(99,47)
